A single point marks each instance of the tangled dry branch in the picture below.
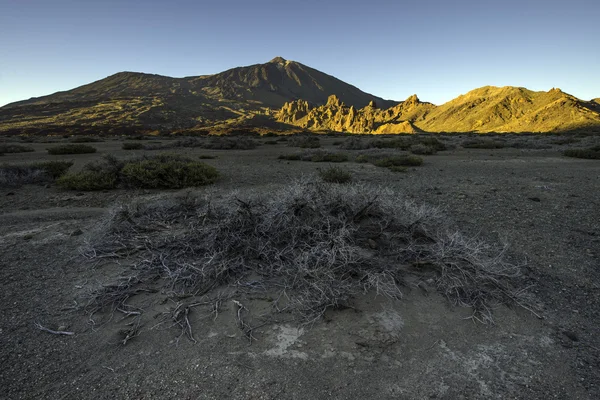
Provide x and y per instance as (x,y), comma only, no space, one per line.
(313,244)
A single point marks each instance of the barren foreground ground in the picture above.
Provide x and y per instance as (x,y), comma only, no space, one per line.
(544,205)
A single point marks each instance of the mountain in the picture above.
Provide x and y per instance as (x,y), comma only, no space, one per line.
(511,109)
(487,109)
(280,95)
(146,101)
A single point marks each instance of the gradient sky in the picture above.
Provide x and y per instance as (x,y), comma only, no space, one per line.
(436,49)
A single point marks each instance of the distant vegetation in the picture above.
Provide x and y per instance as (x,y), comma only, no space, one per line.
(132,146)
(592,153)
(305,142)
(482,144)
(335,175)
(162,171)
(423,145)
(86,139)
(15,148)
(316,156)
(42,172)
(71,149)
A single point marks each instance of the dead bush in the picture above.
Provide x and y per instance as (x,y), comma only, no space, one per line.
(309,246)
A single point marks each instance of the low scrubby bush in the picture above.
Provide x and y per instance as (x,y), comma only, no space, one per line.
(86,139)
(316,156)
(132,146)
(167,172)
(335,175)
(398,161)
(591,153)
(229,143)
(305,142)
(88,181)
(71,149)
(422,150)
(42,172)
(482,144)
(15,148)
(162,171)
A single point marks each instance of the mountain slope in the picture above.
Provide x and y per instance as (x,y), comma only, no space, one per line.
(161,102)
(487,109)
(511,109)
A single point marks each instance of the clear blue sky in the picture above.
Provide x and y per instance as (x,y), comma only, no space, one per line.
(437,49)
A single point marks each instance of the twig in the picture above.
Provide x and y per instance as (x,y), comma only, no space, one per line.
(43,328)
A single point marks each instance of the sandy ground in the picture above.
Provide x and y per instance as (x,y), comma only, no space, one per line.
(545,205)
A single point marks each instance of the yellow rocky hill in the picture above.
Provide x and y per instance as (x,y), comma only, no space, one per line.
(487,109)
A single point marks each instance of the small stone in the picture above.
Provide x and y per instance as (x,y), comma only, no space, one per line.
(77,232)
(571,335)
(373,244)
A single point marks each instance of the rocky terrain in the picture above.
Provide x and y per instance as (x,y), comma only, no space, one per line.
(487,109)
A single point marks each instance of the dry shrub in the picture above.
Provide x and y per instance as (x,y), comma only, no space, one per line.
(305,142)
(15,148)
(71,149)
(309,246)
(42,172)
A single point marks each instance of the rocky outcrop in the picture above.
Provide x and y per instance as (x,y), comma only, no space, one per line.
(336,116)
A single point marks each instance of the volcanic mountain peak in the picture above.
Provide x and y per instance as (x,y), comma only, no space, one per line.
(278,60)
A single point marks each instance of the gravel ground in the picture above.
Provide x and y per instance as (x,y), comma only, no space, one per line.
(544,205)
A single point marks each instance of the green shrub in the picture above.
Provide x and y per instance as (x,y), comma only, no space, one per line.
(229,143)
(132,146)
(355,143)
(85,139)
(422,149)
(482,144)
(432,142)
(305,142)
(591,153)
(335,175)
(399,161)
(397,168)
(399,143)
(167,173)
(362,158)
(565,140)
(71,149)
(54,169)
(291,157)
(97,175)
(328,157)
(88,180)
(15,148)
